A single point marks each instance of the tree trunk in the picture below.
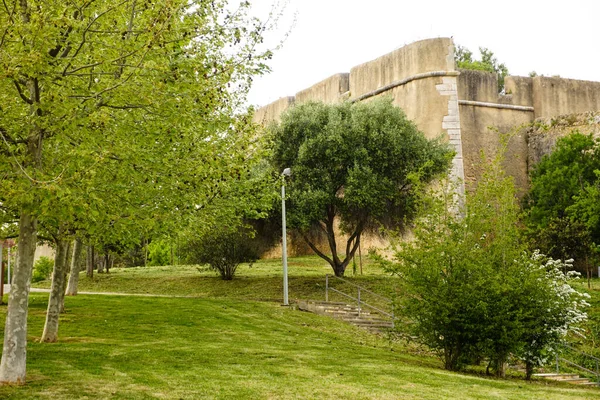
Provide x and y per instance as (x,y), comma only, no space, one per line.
(90,262)
(1,273)
(50,334)
(14,350)
(68,257)
(101,264)
(529,368)
(75,262)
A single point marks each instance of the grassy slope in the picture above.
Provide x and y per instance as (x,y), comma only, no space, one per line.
(262,281)
(142,348)
(223,344)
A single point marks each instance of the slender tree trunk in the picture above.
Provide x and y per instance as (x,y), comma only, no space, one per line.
(101,264)
(90,262)
(74,275)
(360,258)
(1,273)
(14,350)
(529,368)
(66,269)
(50,334)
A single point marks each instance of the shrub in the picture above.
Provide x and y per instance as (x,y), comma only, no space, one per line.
(159,253)
(223,250)
(42,269)
(474,292)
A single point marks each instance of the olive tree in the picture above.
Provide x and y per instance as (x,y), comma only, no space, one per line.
(354,163)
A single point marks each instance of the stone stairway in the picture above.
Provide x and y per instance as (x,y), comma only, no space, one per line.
(348,313)
(568,378)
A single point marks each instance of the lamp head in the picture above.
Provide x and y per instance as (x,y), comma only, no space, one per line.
(287,172)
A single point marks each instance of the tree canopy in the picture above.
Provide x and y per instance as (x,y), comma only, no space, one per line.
(561,205)
(488,63)
(352,163)
(471,289)
(116,117)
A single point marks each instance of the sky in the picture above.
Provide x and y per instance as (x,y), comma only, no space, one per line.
(326,37)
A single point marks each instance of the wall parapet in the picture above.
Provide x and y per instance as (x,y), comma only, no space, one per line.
(404,81)
(495,105)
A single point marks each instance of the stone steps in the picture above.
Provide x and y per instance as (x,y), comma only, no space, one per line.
(347,313)
(568,378)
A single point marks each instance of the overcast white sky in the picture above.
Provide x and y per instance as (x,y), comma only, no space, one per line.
(550,37)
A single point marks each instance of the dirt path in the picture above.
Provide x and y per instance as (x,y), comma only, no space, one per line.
(38,290)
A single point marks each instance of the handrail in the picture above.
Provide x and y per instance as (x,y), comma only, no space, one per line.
(579,366)
(595,373)
(358,299)
(364,304)
(580,352)
(361,288)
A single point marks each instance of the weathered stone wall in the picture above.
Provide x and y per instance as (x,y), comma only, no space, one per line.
(558,96)
(488,122)
(330,90)
(273,111)
(462,106)
(543,134)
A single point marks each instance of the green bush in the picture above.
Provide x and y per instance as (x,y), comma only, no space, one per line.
(159,253)
(223,250)
(473,292)
(42,269)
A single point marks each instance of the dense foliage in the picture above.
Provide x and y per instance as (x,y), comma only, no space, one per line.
(488,63)
(352,163)
(42,269)
(118,119)
(223,250)
(473,291)
(562,202)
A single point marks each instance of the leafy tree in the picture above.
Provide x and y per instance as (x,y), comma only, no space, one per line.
(561,209)
(110,112)
(355,163)
(159,252)
(488,63)
(42,269)
(223,250)
(472,289)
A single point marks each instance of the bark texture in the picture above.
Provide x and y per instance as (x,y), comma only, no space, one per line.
(14,349)
(50,334)
(75,263)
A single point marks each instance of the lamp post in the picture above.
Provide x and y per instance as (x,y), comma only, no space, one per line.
(286,172)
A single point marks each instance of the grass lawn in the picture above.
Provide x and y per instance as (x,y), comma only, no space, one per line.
(223,343)
(262,281)
(193,348)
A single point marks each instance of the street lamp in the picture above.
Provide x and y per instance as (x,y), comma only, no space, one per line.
(286,172)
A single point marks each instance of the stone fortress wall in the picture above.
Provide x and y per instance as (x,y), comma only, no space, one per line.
(462,105)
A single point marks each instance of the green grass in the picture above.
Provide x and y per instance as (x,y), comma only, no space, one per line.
(190,348)
(263,281)
(222,343)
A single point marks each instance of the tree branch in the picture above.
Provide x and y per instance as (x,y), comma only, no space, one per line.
(21,94)
(85,31)
(317,251)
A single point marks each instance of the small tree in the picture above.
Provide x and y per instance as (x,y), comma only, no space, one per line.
(562,203)
(42,269)
(488,63)
(223,250)
(354,163)
(472,289)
